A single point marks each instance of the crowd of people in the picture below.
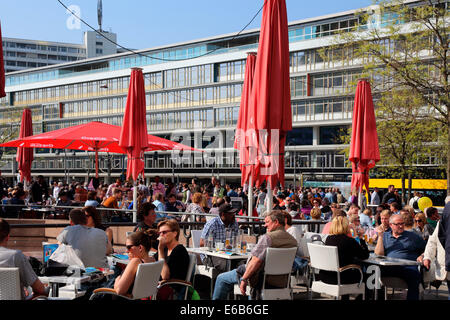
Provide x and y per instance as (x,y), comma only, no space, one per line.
(396,230)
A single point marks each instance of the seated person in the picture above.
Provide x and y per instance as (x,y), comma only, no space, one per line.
(90,244)
(276,237)
(174,205)
(398,243)
(138,245)
(94,220)
(147,216)
(18,198)
(64,201)
(216,228)
(92,200)
(16,259)
(175,256)
(299,262)
(348,250)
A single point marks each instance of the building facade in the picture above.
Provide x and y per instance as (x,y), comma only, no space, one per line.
(193,89)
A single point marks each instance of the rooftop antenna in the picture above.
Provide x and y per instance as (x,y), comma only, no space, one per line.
(100,14)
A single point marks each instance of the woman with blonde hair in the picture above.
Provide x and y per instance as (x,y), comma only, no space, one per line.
(194,208)
(420,220)
(348,251)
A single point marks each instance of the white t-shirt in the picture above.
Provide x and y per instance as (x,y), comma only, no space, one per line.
(297,234)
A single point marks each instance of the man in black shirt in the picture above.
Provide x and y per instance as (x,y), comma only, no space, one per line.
(39,190)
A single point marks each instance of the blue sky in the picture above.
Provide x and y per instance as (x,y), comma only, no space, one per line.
(149,23)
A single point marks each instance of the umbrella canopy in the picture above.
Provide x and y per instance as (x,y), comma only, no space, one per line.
(246,161)
(133,136)
(2,68)
(270,102)
(364,150)
(92,136)
(24,156)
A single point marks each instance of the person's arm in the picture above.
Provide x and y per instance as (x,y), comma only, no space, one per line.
(39,288)
(109,234)
(165,273)
(251,268)
(379,249)
(126,279)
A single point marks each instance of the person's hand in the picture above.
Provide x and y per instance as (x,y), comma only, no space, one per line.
(162,242)
(420,258)
(243,287)
(426,264)
(380,230)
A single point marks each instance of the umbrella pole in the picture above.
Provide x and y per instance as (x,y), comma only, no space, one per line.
(96,163)
(135,202)
(250,196)
(270,199)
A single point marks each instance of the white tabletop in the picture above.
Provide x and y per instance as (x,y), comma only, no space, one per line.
(220,254)
(388,261)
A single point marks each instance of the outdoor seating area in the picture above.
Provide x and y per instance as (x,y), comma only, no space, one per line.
(103,236)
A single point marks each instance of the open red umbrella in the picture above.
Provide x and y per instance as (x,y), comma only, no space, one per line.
(270,103)
(91,136)
(133,136)
(2,68)
(364,150)
(246,162)
(24,156)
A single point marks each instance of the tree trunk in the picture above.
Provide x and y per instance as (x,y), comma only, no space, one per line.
(403,189)
(409,186)
(448,153)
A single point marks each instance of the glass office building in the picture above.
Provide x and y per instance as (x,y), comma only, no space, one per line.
(195,87)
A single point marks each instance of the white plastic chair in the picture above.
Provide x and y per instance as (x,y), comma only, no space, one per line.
(202,269)
(10,284)
(278,262)
(326,258)
(145,283)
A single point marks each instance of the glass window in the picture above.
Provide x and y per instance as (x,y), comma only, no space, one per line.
(331,134)
(300,137)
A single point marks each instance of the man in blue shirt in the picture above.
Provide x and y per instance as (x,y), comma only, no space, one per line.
(402,244)
(216,228)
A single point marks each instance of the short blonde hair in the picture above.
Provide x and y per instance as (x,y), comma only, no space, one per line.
(197,197)
(316,213)
(367,212)
(339,225)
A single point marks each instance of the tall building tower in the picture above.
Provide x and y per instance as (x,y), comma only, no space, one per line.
(95,42)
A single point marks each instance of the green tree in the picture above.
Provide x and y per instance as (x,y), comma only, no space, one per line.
(404,50)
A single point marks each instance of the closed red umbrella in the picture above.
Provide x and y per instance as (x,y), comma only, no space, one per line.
(241,140)
(24,156)
(2,68)
(271,97)
(364,149)
(133,136)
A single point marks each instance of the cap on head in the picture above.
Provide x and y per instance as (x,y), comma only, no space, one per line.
(227,208)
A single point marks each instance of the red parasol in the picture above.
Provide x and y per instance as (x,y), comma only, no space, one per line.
(270,103)
(364,150)
(92,136)
(24,156)
(246,162)
(2,68)
(133,136)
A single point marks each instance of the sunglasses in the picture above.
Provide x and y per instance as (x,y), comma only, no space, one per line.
(399,224)
(418,220)
(130,246)
(165,231)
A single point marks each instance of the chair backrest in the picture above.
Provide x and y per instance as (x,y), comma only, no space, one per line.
(196,235)
(192,262)
(323,257)
(146,280)
(279,261)
(10,284)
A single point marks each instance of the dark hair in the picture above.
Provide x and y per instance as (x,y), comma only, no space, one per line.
(288,218)
(63,193)
(92,195)
(396,205)
(146,207)
(431,211)
(77,216)
(293,206)
(146,238)
(4,229)
(92,212)
(19,193)
(172,196)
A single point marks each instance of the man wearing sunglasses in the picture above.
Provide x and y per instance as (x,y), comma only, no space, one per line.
(401,244)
